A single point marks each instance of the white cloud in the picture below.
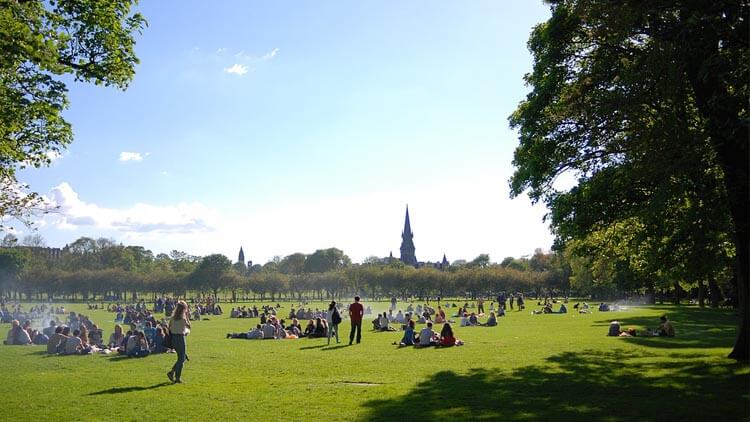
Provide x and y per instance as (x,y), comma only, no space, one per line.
(221,50)
(72,213)
(131,156)
(271,54)
(237,69)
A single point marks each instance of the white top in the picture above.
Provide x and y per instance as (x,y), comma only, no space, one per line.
(179,326)
(425,336)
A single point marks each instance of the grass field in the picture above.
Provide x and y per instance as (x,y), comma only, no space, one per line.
(530,367)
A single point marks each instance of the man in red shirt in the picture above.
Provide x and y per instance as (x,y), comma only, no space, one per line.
(356,310)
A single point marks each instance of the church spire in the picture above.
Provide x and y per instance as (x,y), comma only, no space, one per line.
(408,255)
(241,257)
(407,223)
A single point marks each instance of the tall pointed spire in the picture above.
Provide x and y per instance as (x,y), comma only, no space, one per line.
(407,223)
(408,255)
(241,257)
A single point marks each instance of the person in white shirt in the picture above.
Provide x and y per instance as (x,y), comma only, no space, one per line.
(269,331)
(73,345)
(465,320)
(427,336)
(383,322)
(179,327)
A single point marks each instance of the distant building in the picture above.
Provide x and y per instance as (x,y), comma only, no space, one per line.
(241,257)
(408,251)
(44,252)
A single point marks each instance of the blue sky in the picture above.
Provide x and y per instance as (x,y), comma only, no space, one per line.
(287,127)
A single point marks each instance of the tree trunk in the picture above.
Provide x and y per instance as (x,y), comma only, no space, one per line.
(701,299)
(715,291)
(729,136)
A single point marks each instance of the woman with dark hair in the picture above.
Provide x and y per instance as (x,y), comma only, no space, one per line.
(179,327)
(447,338)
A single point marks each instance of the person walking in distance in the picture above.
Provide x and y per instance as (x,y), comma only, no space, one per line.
(179,327)
(333,319)
(355,315)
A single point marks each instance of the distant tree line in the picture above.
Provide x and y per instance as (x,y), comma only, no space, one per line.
(98,269)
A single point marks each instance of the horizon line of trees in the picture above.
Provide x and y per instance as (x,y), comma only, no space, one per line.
(98,269)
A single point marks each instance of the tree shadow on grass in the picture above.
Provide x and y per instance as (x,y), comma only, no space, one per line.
(120,390)
(592,385)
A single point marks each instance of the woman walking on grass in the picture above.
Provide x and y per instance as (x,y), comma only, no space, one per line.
(179,326)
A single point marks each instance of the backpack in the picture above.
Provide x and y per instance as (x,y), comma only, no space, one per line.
(336,318)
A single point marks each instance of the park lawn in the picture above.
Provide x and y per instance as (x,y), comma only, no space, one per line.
(556,367)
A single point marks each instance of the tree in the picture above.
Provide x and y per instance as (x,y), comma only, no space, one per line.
(642,102)
(210,274)
(41,43)
(9,240)
(324,260)
(34,240)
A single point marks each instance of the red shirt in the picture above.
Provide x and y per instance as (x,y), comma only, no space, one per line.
(356,310)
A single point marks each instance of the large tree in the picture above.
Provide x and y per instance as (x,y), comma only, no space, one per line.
(40,43)
(646,104)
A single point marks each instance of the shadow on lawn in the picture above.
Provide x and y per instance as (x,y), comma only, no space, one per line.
(588,385)
(694,328)
(120,390)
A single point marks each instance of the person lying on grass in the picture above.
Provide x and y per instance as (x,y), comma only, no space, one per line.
(254,334)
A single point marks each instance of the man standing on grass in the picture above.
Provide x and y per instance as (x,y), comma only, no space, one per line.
(355,314)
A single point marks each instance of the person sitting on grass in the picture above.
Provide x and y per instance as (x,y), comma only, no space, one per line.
(269,330)
(665,328)
(614,329)
(474,320)
(384,323)
(465,320)
(116,338)
(320,329)
(159,341)
(447,338)
(17,335)
(294,328)
(138,345)
(409,335)
(74,345)
(95,336)
(563,309)
(56,342)
(309,329)
(492,320)
(428,337)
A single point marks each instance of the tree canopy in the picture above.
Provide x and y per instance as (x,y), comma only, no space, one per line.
(41,42)
(645,103)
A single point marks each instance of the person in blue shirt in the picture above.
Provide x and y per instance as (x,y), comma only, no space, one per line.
(409,334)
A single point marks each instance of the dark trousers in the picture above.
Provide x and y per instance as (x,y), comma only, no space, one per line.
(356,326)
(178,343)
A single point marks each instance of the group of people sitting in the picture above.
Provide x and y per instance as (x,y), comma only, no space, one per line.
(472,320)
(274,328)
(665,329)
(428,337)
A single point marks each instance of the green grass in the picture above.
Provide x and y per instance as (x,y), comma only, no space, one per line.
(556,367)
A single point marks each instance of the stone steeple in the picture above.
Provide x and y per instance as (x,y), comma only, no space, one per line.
(408,255)
(241,257)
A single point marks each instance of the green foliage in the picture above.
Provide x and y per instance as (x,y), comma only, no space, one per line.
(646,105)
(40,43)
